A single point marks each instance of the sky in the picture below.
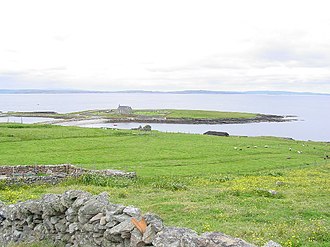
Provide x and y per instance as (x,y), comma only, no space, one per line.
(237,45)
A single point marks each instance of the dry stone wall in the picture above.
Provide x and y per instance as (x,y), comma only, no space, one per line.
(53,174)
(77,218)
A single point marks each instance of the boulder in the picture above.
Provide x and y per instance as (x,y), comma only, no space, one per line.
(125,226)
(97,217)
(51,205)
(69,197)
(136,238)
(216,133)
(154,220)
(149,234)
(173,237)
(92,207)
(132,211)
(214,239)
(177,237)
(272,244)
(113,209)
(146,128)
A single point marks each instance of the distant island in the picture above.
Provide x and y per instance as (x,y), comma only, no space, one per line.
(171,116)
(73,91)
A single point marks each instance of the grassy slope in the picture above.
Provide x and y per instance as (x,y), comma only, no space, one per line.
(192,114)
(203,182)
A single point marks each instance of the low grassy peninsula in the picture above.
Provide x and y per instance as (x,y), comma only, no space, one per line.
(252,188)
(159,116)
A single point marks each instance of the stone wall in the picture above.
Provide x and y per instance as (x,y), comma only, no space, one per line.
(26,169)
(77,218)
(51,173)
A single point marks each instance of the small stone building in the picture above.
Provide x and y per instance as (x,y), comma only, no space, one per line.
(125,110)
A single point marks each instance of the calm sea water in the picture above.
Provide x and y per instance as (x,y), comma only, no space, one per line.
(313,111)
(27,120)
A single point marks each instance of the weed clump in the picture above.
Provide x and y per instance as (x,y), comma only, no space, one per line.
(170,184)
(103,181)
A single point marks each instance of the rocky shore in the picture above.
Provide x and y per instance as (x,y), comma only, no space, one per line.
(258,119)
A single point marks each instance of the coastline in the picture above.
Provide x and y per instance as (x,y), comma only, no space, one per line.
(259,119)
(148,116)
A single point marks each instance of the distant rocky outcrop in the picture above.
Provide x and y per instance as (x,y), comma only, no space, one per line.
(216,133)
(144,128)
(77,218)
(167,120)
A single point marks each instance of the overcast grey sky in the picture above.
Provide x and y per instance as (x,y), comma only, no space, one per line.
(166,45)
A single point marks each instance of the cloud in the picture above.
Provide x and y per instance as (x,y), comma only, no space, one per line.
(170,45)
(294,56)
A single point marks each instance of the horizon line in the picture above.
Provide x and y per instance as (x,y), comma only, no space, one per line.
(185,91)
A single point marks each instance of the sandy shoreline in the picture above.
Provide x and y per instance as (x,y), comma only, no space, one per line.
(76,122)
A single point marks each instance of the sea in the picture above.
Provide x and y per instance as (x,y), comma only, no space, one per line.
(312,111)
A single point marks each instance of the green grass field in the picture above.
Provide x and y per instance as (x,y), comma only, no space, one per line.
(206,183)
(193,114)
